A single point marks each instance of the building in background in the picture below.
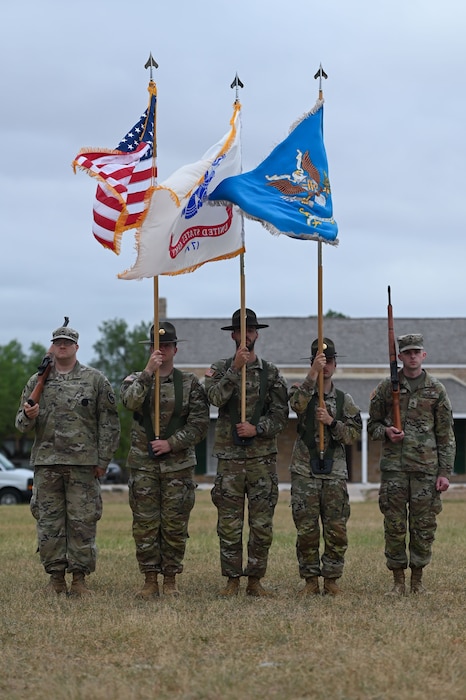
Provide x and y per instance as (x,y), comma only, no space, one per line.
(362,363)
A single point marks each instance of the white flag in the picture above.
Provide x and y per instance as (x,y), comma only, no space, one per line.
(181,231)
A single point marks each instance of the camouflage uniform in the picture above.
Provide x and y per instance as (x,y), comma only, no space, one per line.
(161,491)
(76,430)
(409,469)
(246,470)
(323,496)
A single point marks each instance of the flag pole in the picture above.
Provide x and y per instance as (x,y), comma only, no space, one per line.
(320,322)
(236,84)
(151,63)
(320,341)
(156,347)
(243,335)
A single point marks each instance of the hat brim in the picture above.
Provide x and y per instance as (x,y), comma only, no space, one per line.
(162,342)
(63,337)
(248,325)
(329,357)
(412,347)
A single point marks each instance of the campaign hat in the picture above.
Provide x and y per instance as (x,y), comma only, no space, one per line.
(328,347)
(251,321)
(167,334)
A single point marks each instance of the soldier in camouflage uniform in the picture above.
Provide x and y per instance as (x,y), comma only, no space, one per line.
(161,486)
(318,486)
(77,431)
(247,455)
(416,462)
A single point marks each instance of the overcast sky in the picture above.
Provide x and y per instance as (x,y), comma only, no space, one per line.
(73,76)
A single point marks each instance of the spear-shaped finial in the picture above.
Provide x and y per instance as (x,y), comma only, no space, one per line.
(236,84)
(320,74)
(151,63)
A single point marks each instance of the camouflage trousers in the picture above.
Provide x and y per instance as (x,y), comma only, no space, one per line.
(66,502)
(315,500)
(409,500)
(161,505)
(236,480)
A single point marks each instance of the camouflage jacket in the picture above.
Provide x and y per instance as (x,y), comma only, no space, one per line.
(222,383)
(427,421)
(194,411)
(78,420)
(347,430)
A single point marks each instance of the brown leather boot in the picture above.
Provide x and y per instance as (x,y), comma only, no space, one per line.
(311,587)
(150,588)
(169,586)
(57,584)
(255,588)
(331,587)
(416,580)
(232,587)
(399,587)
(78,585)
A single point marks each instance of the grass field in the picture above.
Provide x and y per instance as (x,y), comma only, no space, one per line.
(361,645)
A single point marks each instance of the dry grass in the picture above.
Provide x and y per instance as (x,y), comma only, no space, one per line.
(359,646)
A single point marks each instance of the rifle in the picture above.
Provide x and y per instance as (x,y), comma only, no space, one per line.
(393,367)
(43,372)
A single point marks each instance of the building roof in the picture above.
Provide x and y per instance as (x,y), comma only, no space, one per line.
(360,343)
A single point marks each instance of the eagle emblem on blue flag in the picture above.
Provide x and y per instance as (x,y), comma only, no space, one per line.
(289,192)
(303,185)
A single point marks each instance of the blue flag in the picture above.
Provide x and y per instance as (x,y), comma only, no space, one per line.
(289,192)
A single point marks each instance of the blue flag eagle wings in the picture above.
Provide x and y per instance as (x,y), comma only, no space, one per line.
(289,192)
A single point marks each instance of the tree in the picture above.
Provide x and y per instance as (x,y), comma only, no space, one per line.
(334,314)
(15,369)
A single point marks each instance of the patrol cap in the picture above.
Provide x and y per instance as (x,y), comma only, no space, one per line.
(251,321)
(167,334)
(65,333)
(328,347)
(411,341)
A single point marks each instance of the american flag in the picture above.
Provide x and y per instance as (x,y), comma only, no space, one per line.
(126,178)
